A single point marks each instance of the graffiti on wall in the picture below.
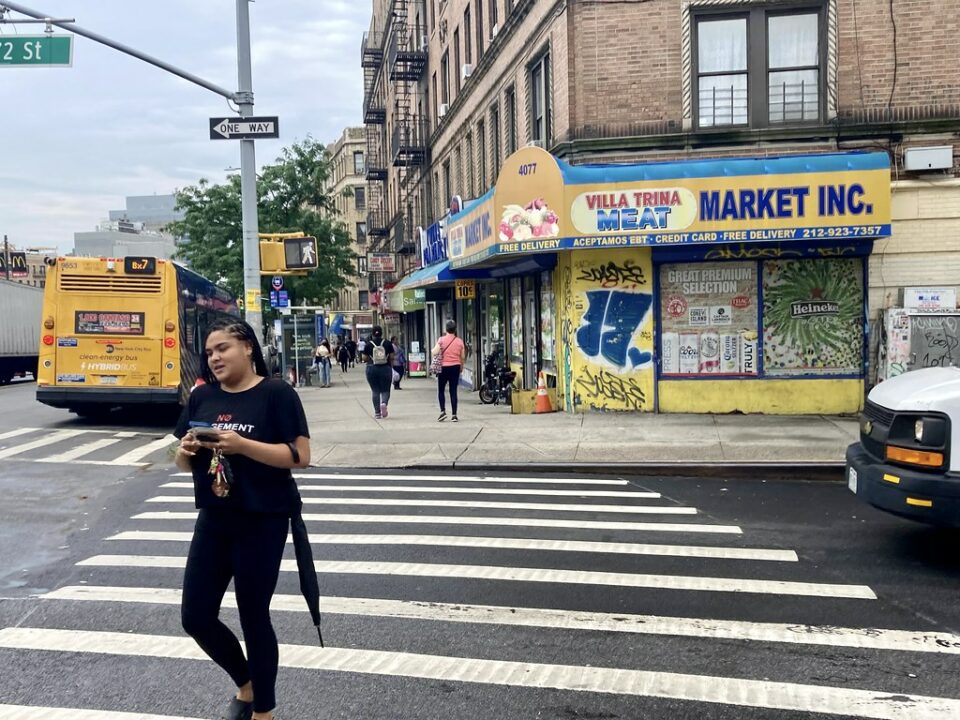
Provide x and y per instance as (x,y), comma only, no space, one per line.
(566,331)
(607,326)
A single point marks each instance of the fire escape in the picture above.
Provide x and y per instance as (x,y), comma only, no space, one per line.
(406,66)
(374,118)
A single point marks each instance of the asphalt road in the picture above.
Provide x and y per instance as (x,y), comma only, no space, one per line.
(732,598)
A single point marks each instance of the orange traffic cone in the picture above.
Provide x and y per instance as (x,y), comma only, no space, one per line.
(543,399)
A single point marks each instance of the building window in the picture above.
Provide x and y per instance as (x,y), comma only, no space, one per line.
(437,197)
(493,14)
(364,299)
(458,188)
(759,68)
(432,12)
(361,233)
(540,100)
(447,190)
(361,264)
(358,166)
(469,166)
(467,36)
(359,198)
(511,129)
(445,77)
(456,59)
(482,155)
(495,139)
(480,38)
(434,100)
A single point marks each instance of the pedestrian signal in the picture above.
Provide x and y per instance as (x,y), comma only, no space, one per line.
(300,253)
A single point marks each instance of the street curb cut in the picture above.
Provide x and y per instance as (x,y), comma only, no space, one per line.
(821,471)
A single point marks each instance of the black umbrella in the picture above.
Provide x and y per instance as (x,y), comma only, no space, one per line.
(305,568)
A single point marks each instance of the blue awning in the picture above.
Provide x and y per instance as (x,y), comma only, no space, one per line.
(439,273)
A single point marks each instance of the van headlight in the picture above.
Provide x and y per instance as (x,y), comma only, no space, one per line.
(918,430)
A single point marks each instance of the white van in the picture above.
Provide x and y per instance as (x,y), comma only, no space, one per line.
(904,462)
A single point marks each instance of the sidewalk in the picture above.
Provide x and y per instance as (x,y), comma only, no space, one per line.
(345,434)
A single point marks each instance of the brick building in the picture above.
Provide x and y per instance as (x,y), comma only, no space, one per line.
(453,88)
(347,186)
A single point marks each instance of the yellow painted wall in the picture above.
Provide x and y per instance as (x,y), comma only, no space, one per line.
(773,397)
(605,312)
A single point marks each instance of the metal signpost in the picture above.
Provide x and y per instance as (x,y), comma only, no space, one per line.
(243,97)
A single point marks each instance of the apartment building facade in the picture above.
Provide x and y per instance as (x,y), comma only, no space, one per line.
(672,83)
(347,187)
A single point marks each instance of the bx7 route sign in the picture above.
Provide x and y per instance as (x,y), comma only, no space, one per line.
(244,128)
(36,50)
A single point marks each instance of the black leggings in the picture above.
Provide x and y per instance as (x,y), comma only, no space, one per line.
(247,547)
(449,374)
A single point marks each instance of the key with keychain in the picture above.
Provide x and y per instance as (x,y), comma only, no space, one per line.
(222,475)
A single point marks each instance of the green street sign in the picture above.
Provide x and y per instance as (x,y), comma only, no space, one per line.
(36,50)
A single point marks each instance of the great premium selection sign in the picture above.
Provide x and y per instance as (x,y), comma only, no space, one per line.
(541,204)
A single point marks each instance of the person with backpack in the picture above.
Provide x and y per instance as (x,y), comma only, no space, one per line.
(343,357)
(379,356)
(452,354)
(399,362)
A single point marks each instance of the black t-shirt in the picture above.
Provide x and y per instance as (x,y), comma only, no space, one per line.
(269,412)
(368,349)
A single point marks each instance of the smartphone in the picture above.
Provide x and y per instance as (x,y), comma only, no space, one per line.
(204,431)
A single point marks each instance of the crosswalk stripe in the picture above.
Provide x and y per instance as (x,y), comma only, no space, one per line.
(720,553)
(618,681)
(36,712)
(81,450)
(453,490)
(501,543)
(390,502)
(18,432)
(526,574)
(793,633)
(450,478)
(135,456)
(495,521)
(48,439)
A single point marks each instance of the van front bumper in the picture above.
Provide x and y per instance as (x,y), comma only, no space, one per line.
(929,497)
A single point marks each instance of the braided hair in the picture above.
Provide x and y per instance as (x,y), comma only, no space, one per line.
(243,332)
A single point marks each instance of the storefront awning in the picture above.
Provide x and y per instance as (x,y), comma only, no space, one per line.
(542,205)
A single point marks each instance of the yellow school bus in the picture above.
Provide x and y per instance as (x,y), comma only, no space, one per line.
(123,332)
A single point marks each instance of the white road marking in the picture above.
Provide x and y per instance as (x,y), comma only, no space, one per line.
(455,490)
(36,712)
(495,521)
(490,505)
(81,450)
(618,681)
(18,432)
(698,551)
(136,456)
(49,438)
(524,574)
(795,634)
(450,478)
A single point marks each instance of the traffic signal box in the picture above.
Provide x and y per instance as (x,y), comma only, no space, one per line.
(287,253)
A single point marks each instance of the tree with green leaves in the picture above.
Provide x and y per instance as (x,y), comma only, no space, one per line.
(291,198)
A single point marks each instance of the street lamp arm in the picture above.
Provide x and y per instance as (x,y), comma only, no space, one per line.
(96,37)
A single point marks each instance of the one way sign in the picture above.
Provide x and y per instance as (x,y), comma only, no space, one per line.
(240,128)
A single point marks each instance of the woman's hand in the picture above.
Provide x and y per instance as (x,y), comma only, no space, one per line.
(228,442)
(189,445)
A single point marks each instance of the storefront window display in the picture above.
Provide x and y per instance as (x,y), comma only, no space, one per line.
(708,318)
(516,321)
(813,320)
(547,322)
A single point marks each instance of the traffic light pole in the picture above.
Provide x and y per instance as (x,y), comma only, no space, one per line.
(248,178)
(244,99)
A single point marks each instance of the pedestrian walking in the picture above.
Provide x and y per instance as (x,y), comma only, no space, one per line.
(240,434)
(323,359)
(378,354)
(343,357)
(399,362)
(453,354)
(352,349)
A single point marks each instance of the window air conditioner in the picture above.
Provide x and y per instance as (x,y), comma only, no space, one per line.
(493,32)
(466,71)
(442,110)
(424,43)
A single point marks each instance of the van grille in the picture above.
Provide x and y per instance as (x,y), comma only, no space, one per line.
(879,414)
(78,283)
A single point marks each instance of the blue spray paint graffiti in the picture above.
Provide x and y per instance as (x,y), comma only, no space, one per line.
(608,326)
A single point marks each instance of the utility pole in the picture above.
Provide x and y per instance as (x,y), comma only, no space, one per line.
(244,99)
(253,308)
(6,255)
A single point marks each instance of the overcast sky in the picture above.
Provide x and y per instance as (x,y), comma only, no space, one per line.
(76,141)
